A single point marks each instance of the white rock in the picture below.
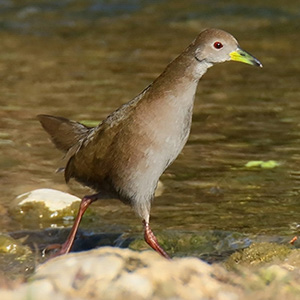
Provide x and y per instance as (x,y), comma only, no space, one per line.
(134,284)
(54,200)
(74,272)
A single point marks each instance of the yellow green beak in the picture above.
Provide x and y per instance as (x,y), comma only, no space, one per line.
(245,57)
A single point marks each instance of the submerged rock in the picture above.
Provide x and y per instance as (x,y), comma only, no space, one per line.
(17,261)
(211,245)
(45,204)
(9,245)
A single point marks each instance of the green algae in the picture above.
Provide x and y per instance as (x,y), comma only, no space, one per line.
(257,254)
(8,245)
(38,211)
(270,164)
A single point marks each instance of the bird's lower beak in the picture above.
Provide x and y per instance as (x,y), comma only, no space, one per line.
(245,57)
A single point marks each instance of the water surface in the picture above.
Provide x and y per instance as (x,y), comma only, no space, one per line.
(83,59)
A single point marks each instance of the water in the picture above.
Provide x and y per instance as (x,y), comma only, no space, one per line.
(83,59)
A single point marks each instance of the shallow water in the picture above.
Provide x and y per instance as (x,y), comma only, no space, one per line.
(83,59)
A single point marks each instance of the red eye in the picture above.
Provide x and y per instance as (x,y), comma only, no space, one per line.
(218,45)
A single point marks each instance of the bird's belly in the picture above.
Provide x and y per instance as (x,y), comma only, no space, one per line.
(155,151)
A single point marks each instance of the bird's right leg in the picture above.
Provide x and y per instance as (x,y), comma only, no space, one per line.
(67,245)
(151,240)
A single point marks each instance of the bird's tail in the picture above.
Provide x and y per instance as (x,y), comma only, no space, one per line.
(64,133)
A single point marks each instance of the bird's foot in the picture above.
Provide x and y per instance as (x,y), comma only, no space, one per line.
(56,249)
(66,247)
(152,241)
(293,240)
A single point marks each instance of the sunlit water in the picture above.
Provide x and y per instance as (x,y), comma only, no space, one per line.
(83,60)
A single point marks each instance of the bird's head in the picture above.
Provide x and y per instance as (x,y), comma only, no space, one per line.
(214,46)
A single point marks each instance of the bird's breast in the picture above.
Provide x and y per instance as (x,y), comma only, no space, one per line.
(154,138)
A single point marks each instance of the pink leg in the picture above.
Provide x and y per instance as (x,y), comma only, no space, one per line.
(66,247)
(152,241)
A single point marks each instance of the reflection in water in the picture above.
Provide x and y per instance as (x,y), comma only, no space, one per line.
(83,59)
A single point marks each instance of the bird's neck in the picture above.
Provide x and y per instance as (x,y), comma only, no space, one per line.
(179,80)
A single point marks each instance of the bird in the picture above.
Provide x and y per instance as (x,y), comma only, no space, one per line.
(124,156)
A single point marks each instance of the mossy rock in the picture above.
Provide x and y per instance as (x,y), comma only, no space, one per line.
(257,254)
(192,244)
(45,205)
(8,245)
(174,243)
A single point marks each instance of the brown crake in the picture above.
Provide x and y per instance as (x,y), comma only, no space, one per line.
(124,156)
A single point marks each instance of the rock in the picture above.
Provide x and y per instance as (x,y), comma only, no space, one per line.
(217,244)
(16,260)
(54,200)
(45,204)
(79,271)
(9,245)
(129,284)
(259,253)
(37,290)
(114,274)
(273,273)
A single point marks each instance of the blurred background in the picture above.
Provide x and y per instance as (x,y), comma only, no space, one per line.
(82,59)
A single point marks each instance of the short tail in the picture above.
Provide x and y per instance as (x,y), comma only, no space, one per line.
(64,133)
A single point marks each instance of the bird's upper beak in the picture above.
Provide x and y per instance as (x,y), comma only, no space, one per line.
(245,57)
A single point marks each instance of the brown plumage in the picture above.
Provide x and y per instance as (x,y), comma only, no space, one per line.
(124,156)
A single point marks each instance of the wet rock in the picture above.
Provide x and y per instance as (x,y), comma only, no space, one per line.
(22,251)
(268,281)
(9,245)
(85,240)
(46,205)
(259,253)
(16,260)
(210,246)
